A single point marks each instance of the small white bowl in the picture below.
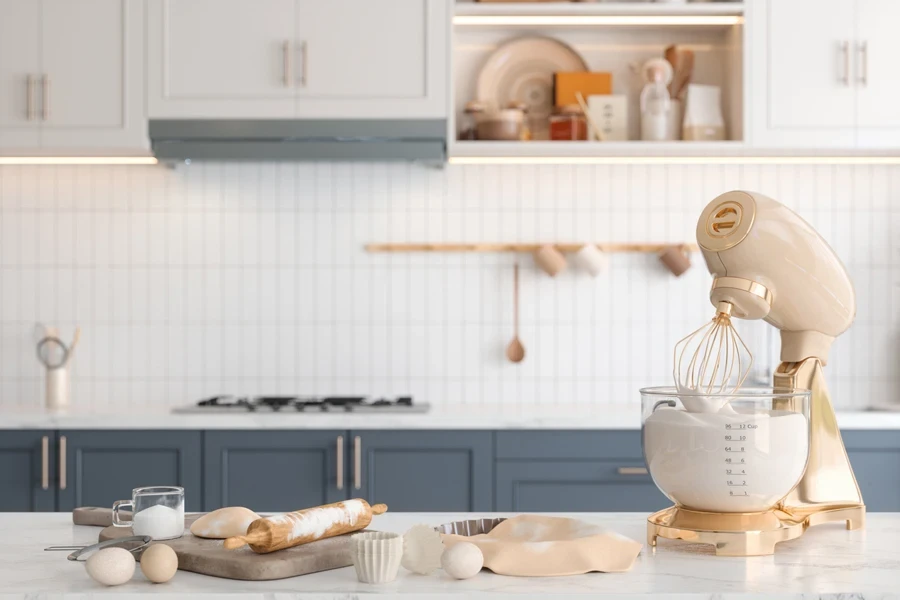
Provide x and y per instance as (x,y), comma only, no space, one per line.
(377,555)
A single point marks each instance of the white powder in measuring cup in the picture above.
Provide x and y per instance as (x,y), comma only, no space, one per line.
(160,522)
(726,461)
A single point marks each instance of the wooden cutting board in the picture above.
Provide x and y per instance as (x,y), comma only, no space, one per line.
(208,557)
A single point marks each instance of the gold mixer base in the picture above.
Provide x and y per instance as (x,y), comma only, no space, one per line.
(744,534)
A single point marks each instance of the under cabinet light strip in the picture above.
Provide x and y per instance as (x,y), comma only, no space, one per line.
(78,160)
(499,20)
(674,160)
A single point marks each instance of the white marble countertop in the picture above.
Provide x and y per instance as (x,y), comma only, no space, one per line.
(463,417)
(825,562)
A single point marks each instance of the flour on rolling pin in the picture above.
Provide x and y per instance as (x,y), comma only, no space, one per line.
(277,532)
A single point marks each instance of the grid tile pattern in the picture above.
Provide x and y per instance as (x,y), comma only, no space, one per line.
(251,278)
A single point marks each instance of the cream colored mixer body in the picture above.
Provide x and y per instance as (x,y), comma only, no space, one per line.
(770,264)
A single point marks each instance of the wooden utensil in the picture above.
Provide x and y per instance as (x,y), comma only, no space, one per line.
(684,69)
(308,525)
(515,352)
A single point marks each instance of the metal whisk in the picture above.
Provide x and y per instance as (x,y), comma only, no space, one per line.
(713,359)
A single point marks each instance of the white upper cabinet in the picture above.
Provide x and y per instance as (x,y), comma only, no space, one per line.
(270,59)
(221,58)
(20,66)
(802,92)
(73,72)
(385,59)
(823,73)
(93,83)
(876,50)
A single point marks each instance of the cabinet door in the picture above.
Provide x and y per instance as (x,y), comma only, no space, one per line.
(273,471)
(19,61)
(27,462)
(415,471)
(875,458)
(364,59)
(878,84)
(92,90)
(101,466)
(801,86)
(577,486)
(221,58)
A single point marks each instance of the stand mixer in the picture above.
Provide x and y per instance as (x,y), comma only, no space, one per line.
(768,264)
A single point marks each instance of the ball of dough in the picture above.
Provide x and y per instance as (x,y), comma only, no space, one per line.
(110,566)
(462,560)
(159,563)
(224,523)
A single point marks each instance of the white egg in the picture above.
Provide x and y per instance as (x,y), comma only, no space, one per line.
(159,563)
(110,566)
(462,560)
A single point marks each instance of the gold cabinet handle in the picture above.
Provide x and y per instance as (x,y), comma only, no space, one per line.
(845,52)
(357,463)
(45,101)
(632,470)
(29,98)
(62,462)
(45,463)
(340,462)
(863,49)
(304,47)
(286,59)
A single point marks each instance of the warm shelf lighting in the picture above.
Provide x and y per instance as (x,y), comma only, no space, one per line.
(78,160)
(674,160)
(550,20)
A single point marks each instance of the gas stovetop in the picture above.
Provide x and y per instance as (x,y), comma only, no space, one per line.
(304,404)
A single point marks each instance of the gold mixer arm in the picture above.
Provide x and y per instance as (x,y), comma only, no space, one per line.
(828,482)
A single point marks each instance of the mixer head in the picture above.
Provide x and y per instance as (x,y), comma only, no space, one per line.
(711,361)
(770,264)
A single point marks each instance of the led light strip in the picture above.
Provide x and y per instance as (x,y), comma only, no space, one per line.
(78,160)
(498,20)
(674,160)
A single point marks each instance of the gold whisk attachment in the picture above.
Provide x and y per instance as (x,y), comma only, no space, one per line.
(713,359)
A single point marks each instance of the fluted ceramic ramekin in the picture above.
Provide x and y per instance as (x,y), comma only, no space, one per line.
(376,555)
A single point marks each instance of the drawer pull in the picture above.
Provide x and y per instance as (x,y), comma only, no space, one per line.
(45,463)
(62,462)
(340,462)
(632,470)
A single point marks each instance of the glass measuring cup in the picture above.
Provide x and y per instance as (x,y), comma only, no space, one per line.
(743,458)
(157,511)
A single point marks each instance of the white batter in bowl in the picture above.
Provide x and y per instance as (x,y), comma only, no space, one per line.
(744,458)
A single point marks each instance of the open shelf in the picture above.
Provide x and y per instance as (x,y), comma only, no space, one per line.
(598,9)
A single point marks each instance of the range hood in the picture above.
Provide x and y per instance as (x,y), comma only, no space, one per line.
(299,140)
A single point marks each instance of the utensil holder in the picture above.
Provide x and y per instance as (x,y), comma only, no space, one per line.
(57,388)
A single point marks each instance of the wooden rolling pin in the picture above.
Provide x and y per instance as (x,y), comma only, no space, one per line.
(278,532)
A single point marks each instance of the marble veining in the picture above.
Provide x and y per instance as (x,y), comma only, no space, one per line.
(828,562)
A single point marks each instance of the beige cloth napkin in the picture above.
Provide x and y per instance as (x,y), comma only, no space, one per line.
(539,546)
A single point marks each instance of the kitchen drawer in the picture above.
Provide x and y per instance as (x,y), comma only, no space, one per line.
(579,444)
(27,463)
(619,485)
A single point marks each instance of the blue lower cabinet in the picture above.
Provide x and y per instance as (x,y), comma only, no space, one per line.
(576,486)
(566,471)
(99,467)
(274,471)
(446,471)
(27,471)
(875,458)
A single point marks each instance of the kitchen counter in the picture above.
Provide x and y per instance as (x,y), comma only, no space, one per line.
(557,417)
(828,560)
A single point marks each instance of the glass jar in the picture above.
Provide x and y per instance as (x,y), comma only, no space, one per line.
(731,453)
(469,120)
(568,124)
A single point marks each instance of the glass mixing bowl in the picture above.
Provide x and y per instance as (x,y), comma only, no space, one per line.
(741,458)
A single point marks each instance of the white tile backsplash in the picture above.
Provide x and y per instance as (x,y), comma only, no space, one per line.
(251,278)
